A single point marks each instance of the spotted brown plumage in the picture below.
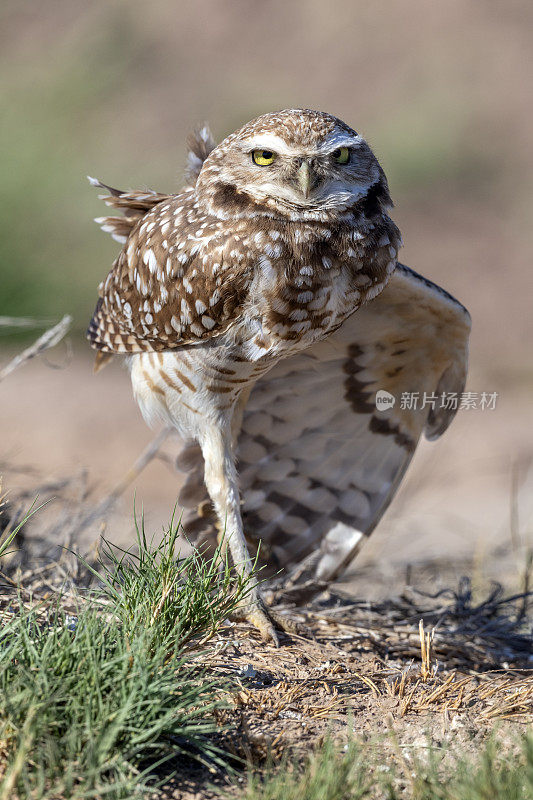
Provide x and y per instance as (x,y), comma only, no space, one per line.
(246,280)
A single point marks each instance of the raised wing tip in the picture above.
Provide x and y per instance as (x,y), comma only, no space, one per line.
(205,133)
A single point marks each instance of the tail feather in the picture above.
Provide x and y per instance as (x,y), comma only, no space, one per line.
(100,361)
(99,185)
(118,227)
(133,205)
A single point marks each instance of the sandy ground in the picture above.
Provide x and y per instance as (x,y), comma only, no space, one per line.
(456,503)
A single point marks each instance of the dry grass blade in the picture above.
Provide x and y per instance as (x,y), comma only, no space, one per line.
(48,339)
(513,700)
(492,634)
(368,682)
(426,641)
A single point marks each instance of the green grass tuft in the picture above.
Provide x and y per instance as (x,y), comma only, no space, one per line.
(181,597)
(83,708)
(90,702)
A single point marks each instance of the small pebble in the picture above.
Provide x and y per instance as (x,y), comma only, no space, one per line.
(247,672)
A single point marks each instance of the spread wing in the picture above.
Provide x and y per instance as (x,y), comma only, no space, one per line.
(318,462)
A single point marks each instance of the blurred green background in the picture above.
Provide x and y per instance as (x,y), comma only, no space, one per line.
(112,87)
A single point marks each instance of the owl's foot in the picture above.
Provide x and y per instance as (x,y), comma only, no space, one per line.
(258,616)
(267,620)
(254,611)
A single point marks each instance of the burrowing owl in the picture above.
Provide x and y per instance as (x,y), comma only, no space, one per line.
(262,308)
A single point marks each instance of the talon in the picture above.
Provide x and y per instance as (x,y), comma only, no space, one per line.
(266,621)
(255,612)
(259,618)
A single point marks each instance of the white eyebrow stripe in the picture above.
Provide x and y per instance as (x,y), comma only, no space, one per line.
(340,140)
(273,142)
(270,141)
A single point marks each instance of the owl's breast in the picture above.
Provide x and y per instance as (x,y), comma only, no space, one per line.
(297,310)
(313,278)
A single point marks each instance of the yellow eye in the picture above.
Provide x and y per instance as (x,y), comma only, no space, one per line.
(263,157)
(341,155)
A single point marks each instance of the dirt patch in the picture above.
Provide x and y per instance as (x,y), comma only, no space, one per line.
(375,670)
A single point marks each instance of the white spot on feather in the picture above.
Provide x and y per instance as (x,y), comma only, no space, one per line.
(304,297)
(208,323)
(298,314)
(150,260)
(185,311)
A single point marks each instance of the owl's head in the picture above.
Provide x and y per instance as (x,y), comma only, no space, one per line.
(296,163)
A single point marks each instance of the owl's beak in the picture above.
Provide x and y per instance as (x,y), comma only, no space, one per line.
(304,176)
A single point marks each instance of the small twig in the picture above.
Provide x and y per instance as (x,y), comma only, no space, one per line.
(526,593)
(23,322)
(49,339)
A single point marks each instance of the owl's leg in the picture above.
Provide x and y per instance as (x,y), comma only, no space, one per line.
(238,413)
(222,485)
(236,422)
